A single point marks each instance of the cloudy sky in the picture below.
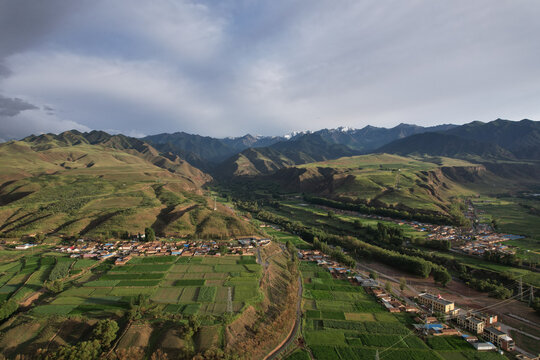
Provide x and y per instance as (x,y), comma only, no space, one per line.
(226,68)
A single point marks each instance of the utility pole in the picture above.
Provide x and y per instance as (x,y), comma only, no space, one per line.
(520,288)
(377,354)
(215,207)
(531,295)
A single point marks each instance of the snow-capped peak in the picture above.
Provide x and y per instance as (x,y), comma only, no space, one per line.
(294,134)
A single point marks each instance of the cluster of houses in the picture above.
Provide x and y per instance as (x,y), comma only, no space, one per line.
(474,322)
(335,268)
(488,242)
(124,250)
(391,303)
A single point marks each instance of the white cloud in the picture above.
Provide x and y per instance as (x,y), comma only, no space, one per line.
(234,67)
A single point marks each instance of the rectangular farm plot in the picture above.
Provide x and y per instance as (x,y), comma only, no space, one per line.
(129,276)
(128,291)
(222,293)
(213,308)
(189,282)
(229,268)
(200,269)
(153,260)
(143,268)
(167,295)
(206,294)
(138,283)
(326,337)
(191,275)
(244,293)
(189,294)
(359,317)
(181,268)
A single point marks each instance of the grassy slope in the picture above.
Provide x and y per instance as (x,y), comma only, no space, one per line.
(92,189)
(393,179)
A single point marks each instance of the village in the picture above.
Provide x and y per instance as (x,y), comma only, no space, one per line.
(476,240)
(123,251)
(435,316)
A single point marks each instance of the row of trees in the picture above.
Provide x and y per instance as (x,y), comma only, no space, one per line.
(411,214)
(441,245)
(494,288)
(411,264)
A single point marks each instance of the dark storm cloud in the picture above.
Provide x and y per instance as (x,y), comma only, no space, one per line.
(12,107)
(232,67)
(24,23)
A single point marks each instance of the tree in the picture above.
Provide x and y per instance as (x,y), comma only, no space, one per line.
(402,284)
(86,350)
(159,355)
(149,234)
(441,275)
(373,275)
(388,287)
(55,286)
(105,331)
(223,249)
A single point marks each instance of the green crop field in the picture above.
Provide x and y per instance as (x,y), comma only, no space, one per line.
(355,327)
(204,287)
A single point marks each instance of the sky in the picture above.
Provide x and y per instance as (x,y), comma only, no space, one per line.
(231,67)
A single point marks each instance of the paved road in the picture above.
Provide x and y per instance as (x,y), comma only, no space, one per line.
(507,328)
(297,324)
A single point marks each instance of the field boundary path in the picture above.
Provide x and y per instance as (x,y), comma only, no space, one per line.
(294,331)
(229,300)
(115,345)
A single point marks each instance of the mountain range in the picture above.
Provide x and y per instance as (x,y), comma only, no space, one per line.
(93,183)
(251,156)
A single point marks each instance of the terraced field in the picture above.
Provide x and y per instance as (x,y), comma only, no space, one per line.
(342,321)
(27,274)
(184,285)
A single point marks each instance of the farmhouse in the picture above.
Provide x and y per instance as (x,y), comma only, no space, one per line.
(488,319)
(437,303)
(471,324)
(24,246)
(499,338)
(484,346)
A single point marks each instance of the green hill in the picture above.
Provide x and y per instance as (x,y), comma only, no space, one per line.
(385,180)
(96,184)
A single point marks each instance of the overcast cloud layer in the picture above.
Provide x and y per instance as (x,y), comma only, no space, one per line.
(226,68)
